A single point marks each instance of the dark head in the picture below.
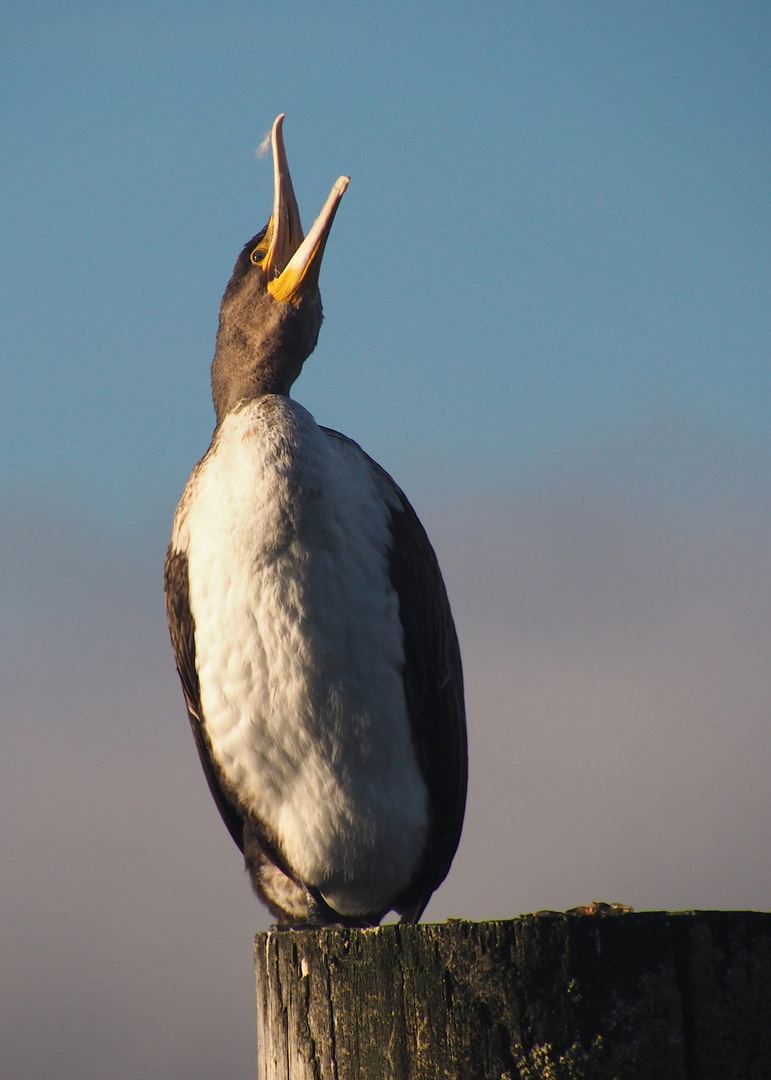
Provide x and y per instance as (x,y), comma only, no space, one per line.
(271,311)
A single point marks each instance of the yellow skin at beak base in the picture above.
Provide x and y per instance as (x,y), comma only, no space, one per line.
(290,286)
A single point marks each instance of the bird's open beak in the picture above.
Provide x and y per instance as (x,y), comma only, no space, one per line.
(292,263)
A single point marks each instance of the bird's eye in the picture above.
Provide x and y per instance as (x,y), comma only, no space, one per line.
(258,255)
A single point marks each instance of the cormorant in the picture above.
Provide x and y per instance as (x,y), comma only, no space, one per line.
(309,620)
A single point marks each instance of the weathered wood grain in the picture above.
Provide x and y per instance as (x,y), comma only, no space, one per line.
(639,996)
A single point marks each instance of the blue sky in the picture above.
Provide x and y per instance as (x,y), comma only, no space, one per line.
(556,232)
(547,314)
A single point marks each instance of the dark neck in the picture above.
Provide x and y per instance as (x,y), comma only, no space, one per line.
(256,358)
(234,378)
(261,347)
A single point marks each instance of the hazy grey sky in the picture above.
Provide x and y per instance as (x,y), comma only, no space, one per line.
(547,301)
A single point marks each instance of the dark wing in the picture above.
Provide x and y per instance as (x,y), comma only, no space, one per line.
(182,630)
(433,686)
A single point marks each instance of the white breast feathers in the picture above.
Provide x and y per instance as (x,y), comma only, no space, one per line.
(299,650)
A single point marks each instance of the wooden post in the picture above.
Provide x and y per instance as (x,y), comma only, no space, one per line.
(638,996)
